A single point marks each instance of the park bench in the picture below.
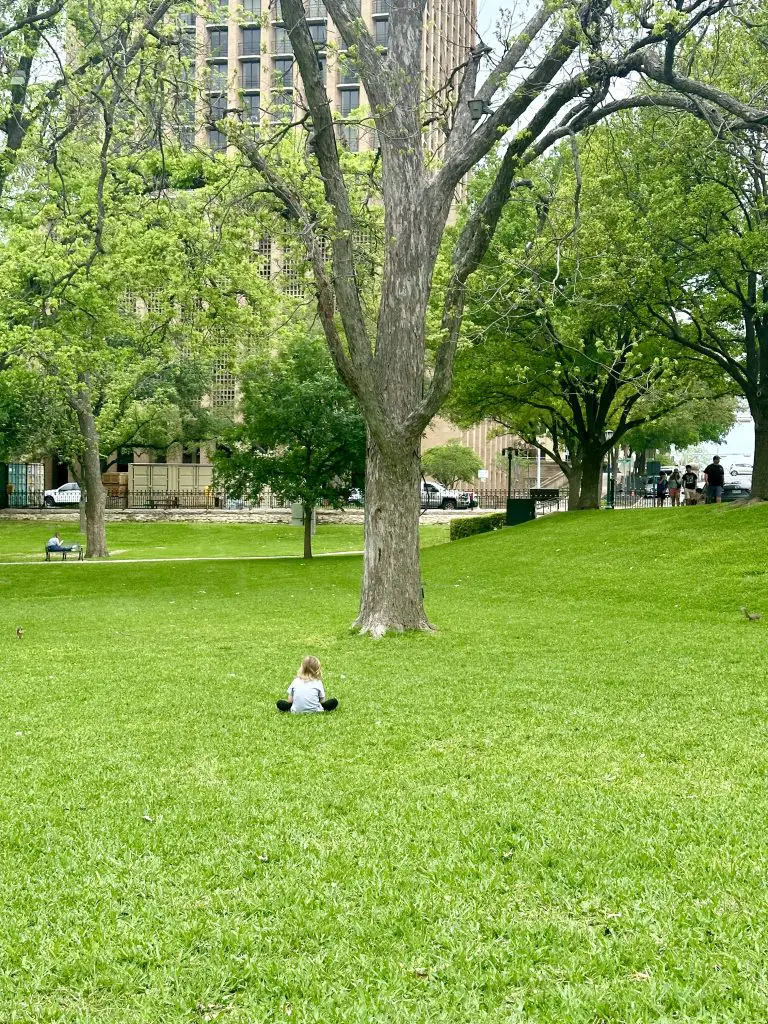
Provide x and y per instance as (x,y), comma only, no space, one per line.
(76,550)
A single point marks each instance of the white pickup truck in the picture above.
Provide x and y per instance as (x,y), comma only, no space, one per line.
(436,496)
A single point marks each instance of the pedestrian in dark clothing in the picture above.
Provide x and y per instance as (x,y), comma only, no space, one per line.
(661,490)
(690,480)
(714,474)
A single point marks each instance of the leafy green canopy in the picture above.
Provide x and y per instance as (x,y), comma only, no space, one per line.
(553,344)
(132,319)
(301,433)
(451,463)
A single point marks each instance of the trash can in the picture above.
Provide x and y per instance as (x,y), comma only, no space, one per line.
(520,510)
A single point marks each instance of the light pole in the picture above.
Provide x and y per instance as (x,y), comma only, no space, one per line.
(510,453)
(609,496)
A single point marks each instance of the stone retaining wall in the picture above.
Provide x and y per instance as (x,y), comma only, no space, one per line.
(159,515)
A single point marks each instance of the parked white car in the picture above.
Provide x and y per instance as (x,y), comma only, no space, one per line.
(436,496)
(67,494)
(740,469)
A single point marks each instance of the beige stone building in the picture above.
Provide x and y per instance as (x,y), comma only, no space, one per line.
(245,62)
(484,439)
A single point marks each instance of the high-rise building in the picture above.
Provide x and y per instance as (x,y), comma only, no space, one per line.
(245,60)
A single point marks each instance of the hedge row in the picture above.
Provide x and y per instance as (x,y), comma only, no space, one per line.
(476,524)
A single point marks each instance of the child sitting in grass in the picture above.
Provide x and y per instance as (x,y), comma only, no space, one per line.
(306,693)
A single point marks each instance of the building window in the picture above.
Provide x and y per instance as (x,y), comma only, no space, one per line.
(218,43)
(217,140)
(252,107)
(217,108)
(281,40)
(282,107)
(319,34)
(217,79)
(218,13)
(349,100)
(192,457)
(380,7)
(282,69)
(292,283)
(349,137)
(250,75)
(381,33)
(323,63)
(224,383)
(348,73)
(250,42)
(316,9)
(252,7)
(153,303)
(262,253)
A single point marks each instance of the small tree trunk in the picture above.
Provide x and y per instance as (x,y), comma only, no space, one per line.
(308,510)
(392,599)
(95,496)
(760,465)
(591,479)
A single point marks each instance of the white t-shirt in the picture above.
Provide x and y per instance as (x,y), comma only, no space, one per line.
(54,542)
(307,694)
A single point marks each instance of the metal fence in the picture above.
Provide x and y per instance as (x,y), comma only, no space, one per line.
(497,499)
(152,499)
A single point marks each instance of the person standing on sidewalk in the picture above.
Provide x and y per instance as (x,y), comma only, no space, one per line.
(690,479)
(661,489)
(674,488)
(714,474)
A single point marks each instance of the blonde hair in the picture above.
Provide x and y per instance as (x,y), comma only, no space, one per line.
(310,668)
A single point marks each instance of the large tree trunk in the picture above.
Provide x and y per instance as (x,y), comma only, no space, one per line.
(392,597)
(95,495)
(307,530)
(591,480)
(760,466)
(574,486)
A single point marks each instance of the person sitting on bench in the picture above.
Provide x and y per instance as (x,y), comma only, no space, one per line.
(54,544)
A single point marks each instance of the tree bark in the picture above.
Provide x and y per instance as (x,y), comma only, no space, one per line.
(308,510)
(591,478)
(574,486)
(392,599)
(95,495)
(760,465)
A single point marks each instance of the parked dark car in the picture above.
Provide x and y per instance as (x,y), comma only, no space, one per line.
(735,492)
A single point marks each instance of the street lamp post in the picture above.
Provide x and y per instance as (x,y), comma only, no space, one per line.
(609,495)
(509,452)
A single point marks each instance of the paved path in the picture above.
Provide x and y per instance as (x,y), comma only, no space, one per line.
(189,558)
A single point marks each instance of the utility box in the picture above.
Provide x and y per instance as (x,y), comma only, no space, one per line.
(520,510)
(297,516)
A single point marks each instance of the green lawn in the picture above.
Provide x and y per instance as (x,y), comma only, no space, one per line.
(552,811)
(24,541)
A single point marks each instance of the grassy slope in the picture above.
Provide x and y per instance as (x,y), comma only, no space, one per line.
(554,810)
(24,541)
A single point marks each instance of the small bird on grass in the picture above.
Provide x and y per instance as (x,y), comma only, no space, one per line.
(19,632)
(752,616)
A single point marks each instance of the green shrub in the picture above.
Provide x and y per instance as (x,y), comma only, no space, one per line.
(465,527)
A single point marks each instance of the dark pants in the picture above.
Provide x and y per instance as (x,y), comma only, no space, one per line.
(328,705)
